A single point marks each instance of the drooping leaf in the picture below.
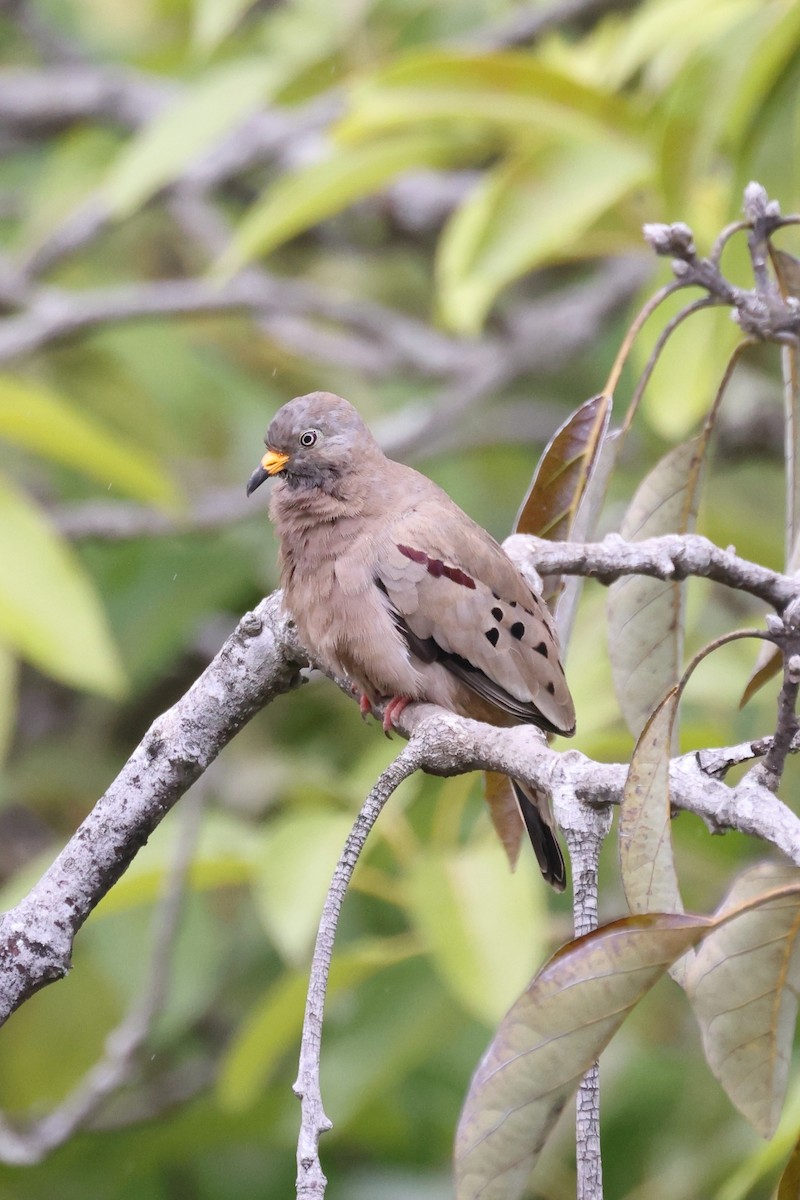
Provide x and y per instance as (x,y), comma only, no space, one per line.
(549,1038)
(195,121)
(298,200)
(482,926)
(562,475)
(49,425)
(743,985)
(645,842)
(645,616)
(504,811)
(49,612)
(564,1020)
(531,210)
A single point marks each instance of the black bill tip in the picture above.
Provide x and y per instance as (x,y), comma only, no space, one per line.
(256,479)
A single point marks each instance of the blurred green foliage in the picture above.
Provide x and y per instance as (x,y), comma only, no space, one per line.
(660,112)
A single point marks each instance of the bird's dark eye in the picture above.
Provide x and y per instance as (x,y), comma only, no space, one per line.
(308,438)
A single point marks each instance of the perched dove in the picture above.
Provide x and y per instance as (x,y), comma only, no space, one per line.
(392,585)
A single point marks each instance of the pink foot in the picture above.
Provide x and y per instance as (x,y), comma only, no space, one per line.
(392,710)
(364,706)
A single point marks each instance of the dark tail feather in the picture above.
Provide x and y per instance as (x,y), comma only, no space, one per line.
(539,823)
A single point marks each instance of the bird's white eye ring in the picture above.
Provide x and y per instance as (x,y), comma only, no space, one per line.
(308,438)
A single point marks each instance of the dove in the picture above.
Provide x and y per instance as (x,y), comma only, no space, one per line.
(392,585)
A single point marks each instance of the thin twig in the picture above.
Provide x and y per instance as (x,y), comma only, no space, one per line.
(311,1181)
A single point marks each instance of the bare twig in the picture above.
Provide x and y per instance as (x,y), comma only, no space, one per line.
(311,1181)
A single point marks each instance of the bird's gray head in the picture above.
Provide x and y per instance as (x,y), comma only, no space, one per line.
(313,441)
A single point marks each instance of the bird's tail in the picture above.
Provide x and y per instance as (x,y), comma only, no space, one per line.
(537,813)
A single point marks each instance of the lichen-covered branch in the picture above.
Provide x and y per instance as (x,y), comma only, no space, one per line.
(257,662)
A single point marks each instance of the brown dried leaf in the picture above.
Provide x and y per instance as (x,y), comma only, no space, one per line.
(645,616)
(787,270)
(504,811)
(645,841)
(549,1038)
(742,984)
(789,1186)
(562,476)
(768,665)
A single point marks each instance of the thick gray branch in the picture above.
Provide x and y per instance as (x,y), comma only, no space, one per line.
(254,665)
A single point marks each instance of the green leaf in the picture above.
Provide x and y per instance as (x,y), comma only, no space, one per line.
(481,924)
(645,616)
(773,51)
(645,841)
(299,855)
(49,611)
(177,136)
(49,425)
(274,1022)
(297,201)
(215,19)
(530,211)
(8,699)
(514,92)
(743,985)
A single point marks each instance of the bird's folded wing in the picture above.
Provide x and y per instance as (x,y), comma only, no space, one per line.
(462,602)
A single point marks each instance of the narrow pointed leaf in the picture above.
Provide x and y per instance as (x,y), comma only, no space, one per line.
(299,200)
(513,91)
(549,1038)
(645,616)
(49,611)
(47,424)
(562,475)
(645,840)
(531,210)
(482,926)
(198,118)
(743,984)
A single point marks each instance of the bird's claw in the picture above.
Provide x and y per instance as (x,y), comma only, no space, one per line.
(393,709)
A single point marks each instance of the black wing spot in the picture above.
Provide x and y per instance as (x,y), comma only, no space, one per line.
(517,630)
(541,649)
(497,613)
(493,636)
